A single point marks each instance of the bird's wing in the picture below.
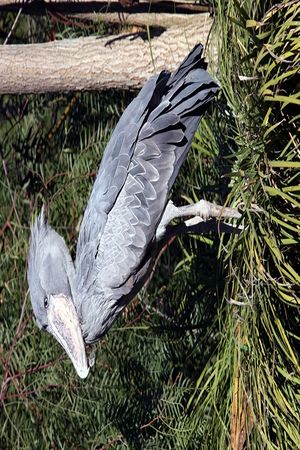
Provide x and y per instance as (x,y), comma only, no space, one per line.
(139,167)
(110,179)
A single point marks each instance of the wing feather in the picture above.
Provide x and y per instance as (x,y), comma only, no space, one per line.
(136,174)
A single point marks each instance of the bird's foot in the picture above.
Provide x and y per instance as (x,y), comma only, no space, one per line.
(201,211)
(207,210)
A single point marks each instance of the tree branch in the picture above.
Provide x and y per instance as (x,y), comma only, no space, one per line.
(163,20)
(92,63)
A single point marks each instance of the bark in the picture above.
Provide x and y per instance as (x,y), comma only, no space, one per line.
(156,20)
(91,63)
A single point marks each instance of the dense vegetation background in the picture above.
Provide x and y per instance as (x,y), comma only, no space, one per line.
(207,357)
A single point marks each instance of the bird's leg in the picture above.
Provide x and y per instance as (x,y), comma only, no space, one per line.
(200,212)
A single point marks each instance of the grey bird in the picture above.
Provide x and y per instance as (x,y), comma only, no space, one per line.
(126,221)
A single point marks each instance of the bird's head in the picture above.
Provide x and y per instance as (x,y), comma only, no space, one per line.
(51,284)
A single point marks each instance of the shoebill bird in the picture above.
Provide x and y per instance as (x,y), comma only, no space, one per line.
(126,221)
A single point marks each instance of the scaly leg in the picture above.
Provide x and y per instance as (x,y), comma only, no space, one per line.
(200,212)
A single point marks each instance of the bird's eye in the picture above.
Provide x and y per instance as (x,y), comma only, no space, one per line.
(46,302)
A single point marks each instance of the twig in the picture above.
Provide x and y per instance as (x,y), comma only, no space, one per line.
(27,393)
(13,26)
(6,379)
(7,222)
(10,192)
(151,422)
(136,319)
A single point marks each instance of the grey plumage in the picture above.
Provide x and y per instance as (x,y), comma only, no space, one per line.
(50,267)
(117,242)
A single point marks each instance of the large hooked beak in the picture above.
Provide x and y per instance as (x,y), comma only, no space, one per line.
(64,324)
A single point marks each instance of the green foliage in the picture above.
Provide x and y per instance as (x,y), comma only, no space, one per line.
(207,356)
(253,394)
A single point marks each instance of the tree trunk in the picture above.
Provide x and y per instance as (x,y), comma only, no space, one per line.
(91,63)
(158,20)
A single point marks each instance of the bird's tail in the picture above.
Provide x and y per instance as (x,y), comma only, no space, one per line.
(193,61)
(186,95)
(190,87)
